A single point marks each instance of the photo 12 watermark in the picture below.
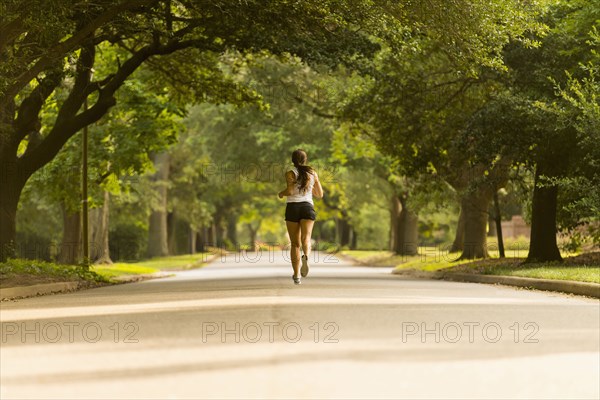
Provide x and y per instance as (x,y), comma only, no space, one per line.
(468,331)
(69,331)
(269,331)
(255,172)
(267,252)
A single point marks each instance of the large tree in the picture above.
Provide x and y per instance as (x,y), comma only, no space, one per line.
(426,88)
(418,108)
(45,45)
(544,117)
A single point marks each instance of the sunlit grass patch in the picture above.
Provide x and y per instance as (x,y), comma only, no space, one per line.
(119,269)
(169,263)
(583,274)
(583,267)
(185,261)
(424,263)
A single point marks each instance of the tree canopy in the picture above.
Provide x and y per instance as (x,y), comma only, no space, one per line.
(412,111)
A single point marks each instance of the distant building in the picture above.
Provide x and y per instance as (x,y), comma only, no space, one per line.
(515,227)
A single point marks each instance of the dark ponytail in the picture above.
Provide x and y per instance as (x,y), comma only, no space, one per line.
(299,159)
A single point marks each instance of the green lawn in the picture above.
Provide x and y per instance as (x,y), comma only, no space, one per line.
(22,272)
(170,263)
(582,274)
(583,267)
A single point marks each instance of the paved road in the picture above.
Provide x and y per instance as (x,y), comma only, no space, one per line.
(241,329)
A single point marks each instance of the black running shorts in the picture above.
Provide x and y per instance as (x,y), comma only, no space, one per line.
(294,212)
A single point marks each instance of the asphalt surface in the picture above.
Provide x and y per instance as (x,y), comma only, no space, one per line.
(240,328)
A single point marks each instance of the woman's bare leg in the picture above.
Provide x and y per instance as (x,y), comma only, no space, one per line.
(306,227)
(294,232)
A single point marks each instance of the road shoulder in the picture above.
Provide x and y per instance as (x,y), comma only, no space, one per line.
(572,287)
(22,292)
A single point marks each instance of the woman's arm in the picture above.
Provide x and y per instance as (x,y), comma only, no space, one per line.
(317,188)
(290,179)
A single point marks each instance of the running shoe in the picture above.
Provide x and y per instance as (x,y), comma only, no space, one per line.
(304,269)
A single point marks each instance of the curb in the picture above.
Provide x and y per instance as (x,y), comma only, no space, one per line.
(553,285)
(37,290)
(417,273)
(140,277)
(19,292)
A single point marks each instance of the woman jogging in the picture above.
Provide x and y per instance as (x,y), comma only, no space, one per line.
(302,183)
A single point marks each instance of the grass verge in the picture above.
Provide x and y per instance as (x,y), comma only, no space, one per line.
(582,268)
(21,272)
(154,265)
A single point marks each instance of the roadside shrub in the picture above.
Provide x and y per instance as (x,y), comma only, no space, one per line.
(127,242)
(15,266)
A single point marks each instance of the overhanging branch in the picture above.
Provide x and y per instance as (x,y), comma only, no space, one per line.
(70,123)
(29,109)
(70,44)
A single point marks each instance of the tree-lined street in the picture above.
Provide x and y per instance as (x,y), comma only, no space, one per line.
(420,139)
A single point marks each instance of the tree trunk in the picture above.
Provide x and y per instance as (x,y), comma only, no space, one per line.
(408,233)
(354,241)
(232,229)
(459,239)
(95,221)
(492,229)
(201,240)
(217,235)
(218,231)
(157,232)
(10,191)
(474,205)
(193,235)
(498,224)
(100,251)
(70,247)
(157,235)
(405,225)
(395,209)
(542,244)
(105,253)
(344,231)
(172,232)
(252,232)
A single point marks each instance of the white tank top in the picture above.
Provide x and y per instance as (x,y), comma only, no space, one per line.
(299,196)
